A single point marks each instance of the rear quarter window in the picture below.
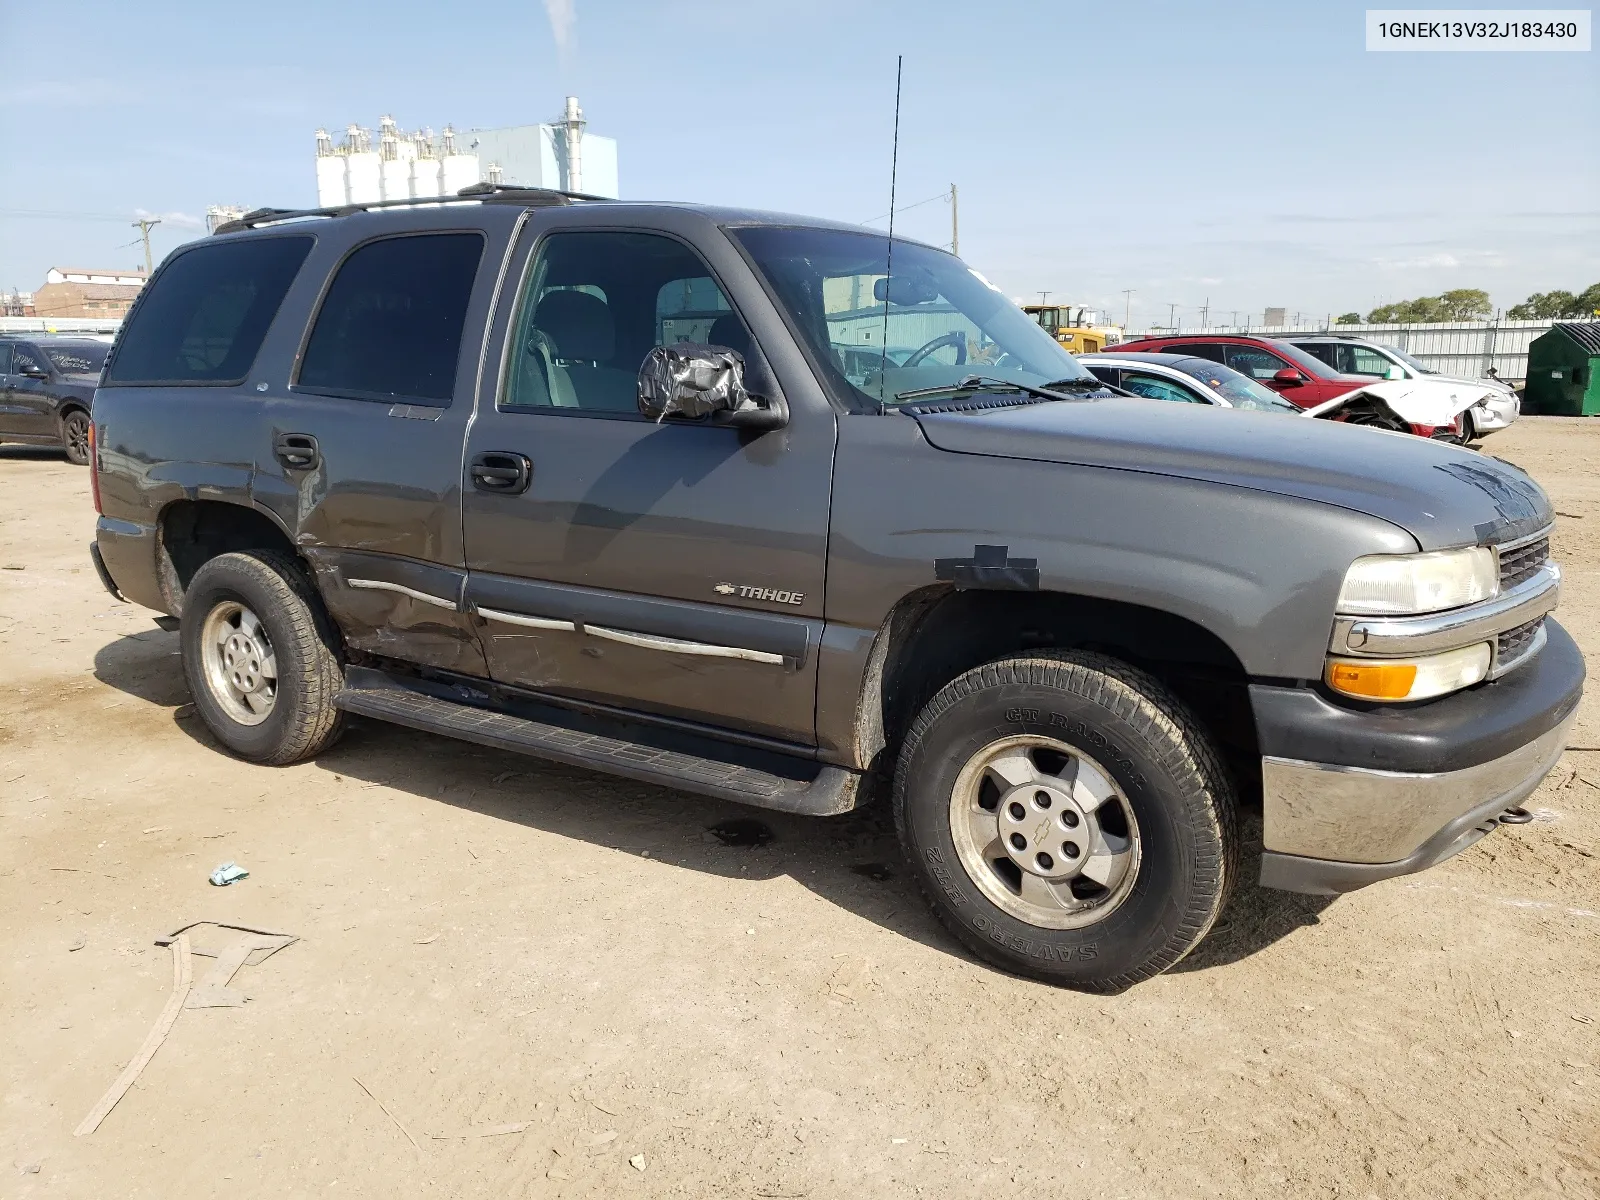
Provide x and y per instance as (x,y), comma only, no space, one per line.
(206,313)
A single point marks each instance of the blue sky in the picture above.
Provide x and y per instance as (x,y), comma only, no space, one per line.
(1248,154)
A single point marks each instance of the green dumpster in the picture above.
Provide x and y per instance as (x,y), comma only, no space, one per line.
(1564,371)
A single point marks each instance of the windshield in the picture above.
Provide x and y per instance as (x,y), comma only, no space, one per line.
(77,358)
(1238,389)
(1414,364)
(942,319)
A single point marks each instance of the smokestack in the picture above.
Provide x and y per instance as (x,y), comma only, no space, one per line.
(572,123)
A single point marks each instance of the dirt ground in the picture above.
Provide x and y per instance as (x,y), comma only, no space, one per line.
(486,939)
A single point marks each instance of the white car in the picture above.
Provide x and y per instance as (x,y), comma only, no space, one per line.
(1361,356)
(1395,404)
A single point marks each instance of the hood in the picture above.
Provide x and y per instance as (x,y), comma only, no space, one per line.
(1430,401)
(1442,495)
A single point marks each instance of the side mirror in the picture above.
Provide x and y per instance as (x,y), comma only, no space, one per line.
(1288,377)
(1395,372)
(704,383)
(34,373)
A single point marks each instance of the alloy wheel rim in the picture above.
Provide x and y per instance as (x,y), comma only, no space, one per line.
(240,666)
(1045,832)
(78,435)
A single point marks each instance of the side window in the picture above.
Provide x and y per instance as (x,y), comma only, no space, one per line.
(205,315)
(594,304)
(26,358)
(5,358)
(1155,388)
(391,324)
(1325,352)
(1254,362)
(1363,361)
(1211,351)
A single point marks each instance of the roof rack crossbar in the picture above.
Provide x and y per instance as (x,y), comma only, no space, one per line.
(481,193)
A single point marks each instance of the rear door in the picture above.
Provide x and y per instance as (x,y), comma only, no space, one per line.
(361,453)
(671,568)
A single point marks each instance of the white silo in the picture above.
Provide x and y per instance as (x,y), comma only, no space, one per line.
(395,155)
(424,165)
(364,177)
(332,184)
(456,171)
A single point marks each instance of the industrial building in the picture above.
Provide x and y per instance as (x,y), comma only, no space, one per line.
(396,165)
(87,292)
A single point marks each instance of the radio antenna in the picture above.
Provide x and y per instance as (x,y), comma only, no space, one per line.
(888,265)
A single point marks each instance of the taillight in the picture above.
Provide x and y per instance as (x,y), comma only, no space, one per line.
(94,472)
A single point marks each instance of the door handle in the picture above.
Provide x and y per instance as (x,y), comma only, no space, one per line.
(501,471)
(297,451)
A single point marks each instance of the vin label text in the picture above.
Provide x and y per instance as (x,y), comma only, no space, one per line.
(1472,29)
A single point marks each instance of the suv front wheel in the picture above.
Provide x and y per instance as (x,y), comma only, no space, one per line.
(1067,818)
(261,657)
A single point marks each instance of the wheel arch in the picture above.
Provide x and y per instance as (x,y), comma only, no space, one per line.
(191,532)
(935,634)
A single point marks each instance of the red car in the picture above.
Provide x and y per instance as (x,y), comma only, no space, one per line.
(1304,380)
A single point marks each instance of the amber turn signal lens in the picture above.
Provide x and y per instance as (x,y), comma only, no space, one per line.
(1375,681)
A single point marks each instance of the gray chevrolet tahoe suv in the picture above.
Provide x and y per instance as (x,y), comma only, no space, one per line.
(623,485)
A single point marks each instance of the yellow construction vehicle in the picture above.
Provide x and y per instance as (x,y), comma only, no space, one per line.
(1074,326)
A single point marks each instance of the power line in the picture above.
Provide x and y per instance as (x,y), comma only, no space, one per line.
(907,208)
(60,214)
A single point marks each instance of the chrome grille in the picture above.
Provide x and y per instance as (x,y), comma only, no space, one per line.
(1512,646)
(1519,564)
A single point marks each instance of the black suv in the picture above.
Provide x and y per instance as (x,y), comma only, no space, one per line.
(47,387)
(715,499)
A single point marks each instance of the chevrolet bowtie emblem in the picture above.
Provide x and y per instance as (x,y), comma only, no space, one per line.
(725,589)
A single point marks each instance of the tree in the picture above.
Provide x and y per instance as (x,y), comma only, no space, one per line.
(1541,306)
(1461,304)
(1558,305)
(1347,319)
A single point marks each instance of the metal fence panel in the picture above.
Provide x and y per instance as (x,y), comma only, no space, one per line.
(1462,348)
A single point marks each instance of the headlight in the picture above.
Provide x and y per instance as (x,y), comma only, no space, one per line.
(1389,584)
(1394,679)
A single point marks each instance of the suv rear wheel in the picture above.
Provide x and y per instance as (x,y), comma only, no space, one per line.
(75,436)
(261,657)
(1067,818)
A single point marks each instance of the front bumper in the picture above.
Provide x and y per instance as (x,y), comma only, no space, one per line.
(1495,412)
(1350,797)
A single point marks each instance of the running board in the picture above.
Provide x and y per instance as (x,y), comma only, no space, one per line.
(818,791)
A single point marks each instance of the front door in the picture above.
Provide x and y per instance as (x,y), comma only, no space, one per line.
(27,396)
(673,568)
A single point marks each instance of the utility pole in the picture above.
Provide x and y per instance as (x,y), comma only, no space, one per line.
(1127,306)
(1233,317)
(144,225)
(955,222)
(1171,311)
(1043,296)
(1205,314)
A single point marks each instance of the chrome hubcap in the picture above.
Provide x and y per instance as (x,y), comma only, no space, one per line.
(1041,828)
(241,670)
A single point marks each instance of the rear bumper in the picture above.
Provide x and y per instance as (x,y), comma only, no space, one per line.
(1350,797)
(105,575)
(124,554)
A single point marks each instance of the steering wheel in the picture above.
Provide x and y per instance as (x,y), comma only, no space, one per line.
(954,338)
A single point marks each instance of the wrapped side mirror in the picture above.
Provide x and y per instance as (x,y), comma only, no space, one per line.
(704,383)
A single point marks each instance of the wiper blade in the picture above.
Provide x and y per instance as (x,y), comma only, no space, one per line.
(988,383)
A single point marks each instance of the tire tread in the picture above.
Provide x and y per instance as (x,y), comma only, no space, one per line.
(1166,726)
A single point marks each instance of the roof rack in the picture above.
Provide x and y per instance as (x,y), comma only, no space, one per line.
(480,193)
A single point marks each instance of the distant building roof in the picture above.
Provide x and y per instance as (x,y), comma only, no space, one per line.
(139,271)
(1584,333)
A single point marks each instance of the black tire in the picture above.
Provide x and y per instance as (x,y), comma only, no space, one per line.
(302,720)
(75,436)
(1155,753)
